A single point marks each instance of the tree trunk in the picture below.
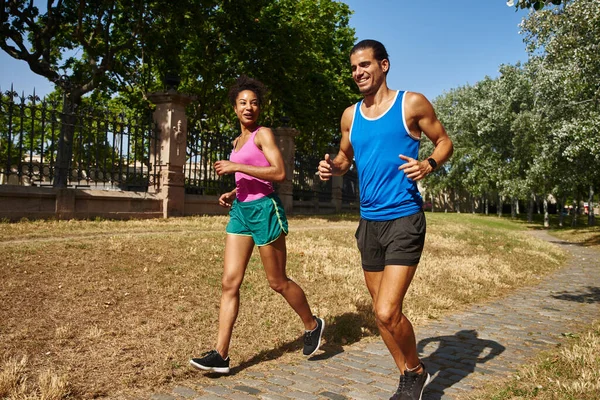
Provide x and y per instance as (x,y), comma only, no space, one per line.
(546,216)
(499,206)
(591,217)
(487,205)
(513,209)
(561,216)
(65,143)
(530,210)
(456,202)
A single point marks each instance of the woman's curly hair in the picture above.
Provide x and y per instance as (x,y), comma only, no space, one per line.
(246,83)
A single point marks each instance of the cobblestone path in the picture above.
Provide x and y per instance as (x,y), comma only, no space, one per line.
(461,351)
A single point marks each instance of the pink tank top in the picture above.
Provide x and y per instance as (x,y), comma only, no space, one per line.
(248,187)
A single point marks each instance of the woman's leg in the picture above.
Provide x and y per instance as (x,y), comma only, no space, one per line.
(274,257)
(238,250)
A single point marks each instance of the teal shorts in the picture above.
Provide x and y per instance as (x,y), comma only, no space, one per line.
(263,219)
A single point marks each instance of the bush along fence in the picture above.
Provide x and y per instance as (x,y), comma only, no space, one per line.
(89,163)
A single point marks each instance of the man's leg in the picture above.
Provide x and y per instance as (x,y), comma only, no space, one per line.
(388,289)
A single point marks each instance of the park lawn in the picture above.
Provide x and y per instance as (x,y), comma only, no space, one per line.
(569,372)
(585,235)
(116,308)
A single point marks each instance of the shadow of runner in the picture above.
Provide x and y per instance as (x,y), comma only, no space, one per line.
(590,297)
(342,330)
(455,357)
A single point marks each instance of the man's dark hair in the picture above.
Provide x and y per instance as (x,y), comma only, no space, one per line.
(379,51)
(246,83)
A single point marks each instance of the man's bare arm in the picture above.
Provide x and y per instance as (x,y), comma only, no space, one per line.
(343,160)
(421,118)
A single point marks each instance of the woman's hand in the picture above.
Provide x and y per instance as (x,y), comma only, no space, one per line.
(226,199)
(225,167)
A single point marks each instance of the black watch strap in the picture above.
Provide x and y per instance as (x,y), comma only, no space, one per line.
(432,162)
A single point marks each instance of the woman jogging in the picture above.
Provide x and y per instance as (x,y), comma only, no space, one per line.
(256,218)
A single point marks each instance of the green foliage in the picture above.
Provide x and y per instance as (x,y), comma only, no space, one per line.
(534,4)
(534,129)
(299,49)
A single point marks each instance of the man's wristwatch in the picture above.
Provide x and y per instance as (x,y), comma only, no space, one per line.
(432,162)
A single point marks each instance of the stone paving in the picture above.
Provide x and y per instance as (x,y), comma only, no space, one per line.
(462,351)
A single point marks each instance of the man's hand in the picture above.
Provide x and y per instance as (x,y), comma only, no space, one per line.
(326,168)
(414,169)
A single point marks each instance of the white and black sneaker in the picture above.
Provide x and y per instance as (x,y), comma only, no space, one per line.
(312,339)
(212,361)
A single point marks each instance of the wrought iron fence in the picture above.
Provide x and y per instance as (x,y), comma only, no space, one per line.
(309,187)
(306,184)
(204,147)
(109,150)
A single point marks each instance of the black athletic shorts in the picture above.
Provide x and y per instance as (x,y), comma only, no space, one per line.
(396,242)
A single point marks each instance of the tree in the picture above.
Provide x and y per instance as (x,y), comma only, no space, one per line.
(535,4)
(104,33)
(299,49)
(563,45)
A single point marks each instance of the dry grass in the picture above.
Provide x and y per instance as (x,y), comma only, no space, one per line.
(572,372)
(15,382)
(588,236)
(115,309)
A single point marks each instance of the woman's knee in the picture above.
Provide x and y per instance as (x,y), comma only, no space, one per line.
(230,284)
(279,285)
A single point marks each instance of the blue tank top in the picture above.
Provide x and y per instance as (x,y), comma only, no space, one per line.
(385,192)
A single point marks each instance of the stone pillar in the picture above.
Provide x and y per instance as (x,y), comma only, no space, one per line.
(285,140)
(171,123)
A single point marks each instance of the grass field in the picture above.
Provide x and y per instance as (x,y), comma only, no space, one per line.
(116,308)
(570,372)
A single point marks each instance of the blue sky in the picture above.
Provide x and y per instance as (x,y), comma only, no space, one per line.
(434,46)
(437,45)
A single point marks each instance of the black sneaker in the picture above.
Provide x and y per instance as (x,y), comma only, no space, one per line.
(411,385)
(312,339)
(212,361)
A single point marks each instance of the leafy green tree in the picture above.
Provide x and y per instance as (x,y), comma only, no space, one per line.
(566,64)
(299,49)
(535,4)
(78,45)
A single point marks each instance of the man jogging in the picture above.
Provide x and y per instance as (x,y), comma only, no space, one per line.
(382,134)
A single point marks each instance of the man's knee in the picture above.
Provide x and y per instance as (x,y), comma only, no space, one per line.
(389,315)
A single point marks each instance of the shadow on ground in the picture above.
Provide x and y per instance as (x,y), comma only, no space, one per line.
(592,295)
(455,357)
(341,330)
